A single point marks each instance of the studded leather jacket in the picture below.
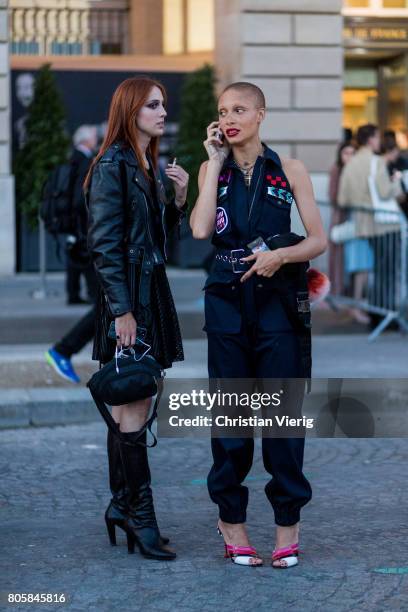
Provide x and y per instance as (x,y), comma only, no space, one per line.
(121,228)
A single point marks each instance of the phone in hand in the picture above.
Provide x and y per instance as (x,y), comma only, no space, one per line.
(140,333)
(220,135)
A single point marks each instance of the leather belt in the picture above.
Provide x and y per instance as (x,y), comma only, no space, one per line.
(139,254)
(147,259)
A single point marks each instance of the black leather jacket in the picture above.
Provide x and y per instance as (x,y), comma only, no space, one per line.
(121,220)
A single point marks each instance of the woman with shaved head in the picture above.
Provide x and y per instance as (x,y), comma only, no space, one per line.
(256,320)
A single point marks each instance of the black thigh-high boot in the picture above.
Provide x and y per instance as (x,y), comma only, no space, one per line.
(117,510)
(140,523)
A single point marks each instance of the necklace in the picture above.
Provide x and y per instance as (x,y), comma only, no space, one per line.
(247,170)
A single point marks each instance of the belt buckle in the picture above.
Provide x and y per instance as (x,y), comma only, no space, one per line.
(237,260)
(303,305)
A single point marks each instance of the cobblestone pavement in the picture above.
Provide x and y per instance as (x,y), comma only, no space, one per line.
(54,491)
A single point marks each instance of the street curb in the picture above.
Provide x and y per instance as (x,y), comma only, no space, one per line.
(45,407)
(40,329)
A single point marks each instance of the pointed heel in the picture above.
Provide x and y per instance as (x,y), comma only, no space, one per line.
(130,543)
(226,553)
(110,526)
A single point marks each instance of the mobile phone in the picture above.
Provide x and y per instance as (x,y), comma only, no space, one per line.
(258,245)
(140,333)
(220,135)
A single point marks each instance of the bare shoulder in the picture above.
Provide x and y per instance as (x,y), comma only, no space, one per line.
(296,171)
(293,167)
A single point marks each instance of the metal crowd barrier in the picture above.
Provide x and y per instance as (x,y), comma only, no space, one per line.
(386,292)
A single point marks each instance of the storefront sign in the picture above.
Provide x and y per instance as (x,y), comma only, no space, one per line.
(360,32)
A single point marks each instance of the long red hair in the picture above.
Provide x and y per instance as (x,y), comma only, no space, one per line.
(128,99)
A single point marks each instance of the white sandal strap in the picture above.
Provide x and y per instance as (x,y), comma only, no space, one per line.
(243,560)
(290,561)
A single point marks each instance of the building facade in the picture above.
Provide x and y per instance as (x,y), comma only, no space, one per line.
(293,50)
(375,41)
(7,214)
(324,65)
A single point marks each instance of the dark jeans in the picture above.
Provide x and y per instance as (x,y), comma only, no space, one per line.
(260,355)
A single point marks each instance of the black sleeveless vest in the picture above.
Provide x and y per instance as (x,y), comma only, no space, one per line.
(244,214)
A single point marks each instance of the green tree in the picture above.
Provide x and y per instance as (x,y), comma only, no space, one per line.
(198,110)
(46,144)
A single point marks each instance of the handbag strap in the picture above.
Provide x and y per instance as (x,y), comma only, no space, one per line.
(114,427)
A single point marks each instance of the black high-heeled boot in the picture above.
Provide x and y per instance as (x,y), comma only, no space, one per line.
(141,524)
(115,513)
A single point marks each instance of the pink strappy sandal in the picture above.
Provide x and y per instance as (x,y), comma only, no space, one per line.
(288,554)
(241,555)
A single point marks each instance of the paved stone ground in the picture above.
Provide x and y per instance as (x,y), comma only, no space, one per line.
(54,490)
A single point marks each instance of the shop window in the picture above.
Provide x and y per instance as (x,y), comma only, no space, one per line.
(395,4)
(357,3)
(359,107)
(200,30)
(188,26)
(173,26)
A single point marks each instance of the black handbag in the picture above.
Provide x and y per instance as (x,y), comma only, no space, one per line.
(127,378)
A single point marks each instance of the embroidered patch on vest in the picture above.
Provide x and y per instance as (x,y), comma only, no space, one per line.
(222,191)
(221,220)
(225,177)
(281,194)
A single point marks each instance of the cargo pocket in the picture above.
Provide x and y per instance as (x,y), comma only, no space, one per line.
(222,309)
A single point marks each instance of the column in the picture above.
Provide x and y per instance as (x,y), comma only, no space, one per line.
(7,215)
(146,27)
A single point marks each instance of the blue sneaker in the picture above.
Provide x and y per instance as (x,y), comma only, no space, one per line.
(61,365)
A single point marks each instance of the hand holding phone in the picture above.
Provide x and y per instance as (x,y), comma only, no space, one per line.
(215,144)
(140,333)
(123,329)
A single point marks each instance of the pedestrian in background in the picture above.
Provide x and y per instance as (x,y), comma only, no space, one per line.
(78,260)
(345,152)
(397,165)
(79,264)
(354,192)
(129,220)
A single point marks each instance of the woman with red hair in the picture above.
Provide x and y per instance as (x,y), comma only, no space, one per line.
(129,220)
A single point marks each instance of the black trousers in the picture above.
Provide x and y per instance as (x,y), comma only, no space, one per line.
(263,355)
(78,336)
(74,271)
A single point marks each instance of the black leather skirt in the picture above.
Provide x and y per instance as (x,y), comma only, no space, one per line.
(160,319)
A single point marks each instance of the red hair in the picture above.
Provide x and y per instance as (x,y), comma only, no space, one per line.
(128,99)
